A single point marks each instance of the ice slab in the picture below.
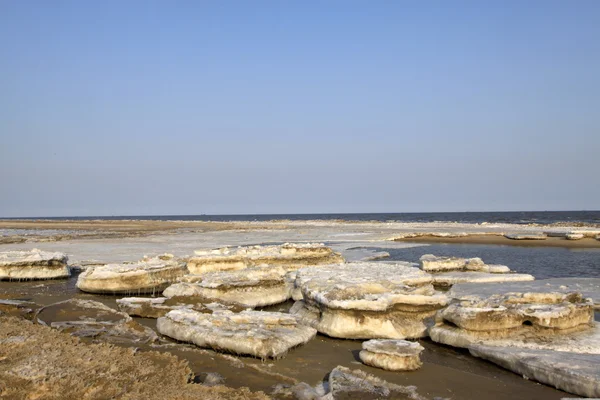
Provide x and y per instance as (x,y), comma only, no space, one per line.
(257,333)
(356,384)
(33,264)
(367,300)
(572,372)
(149,275)
(250,287)
(290,256)
(526,236)
(588,287)
(391,355)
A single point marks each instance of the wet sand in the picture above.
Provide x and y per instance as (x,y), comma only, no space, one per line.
(585,243)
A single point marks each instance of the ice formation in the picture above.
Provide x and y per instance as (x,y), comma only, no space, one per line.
(251,287)
(88,318)
(257,333)
(347,384)
(571,372)
(588,287)
(149,275)
(532,328)
(155,307)
(33,264)
(367,300)
(290,256)
(526,236)
(448,271)
(392,355)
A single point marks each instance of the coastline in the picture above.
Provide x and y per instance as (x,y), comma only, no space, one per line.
(586,243)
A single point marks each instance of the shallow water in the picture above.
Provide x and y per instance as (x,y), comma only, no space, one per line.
(541,262)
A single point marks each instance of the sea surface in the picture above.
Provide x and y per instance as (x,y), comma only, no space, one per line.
(582,218)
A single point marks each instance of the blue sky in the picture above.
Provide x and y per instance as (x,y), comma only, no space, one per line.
(189,107)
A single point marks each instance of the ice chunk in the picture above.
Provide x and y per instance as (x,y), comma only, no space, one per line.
(149,275)
(367,300)
(33,264)
(290,256)
(257,333)
(251,287)
(392,355)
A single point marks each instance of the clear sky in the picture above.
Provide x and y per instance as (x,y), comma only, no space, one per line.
(189,107)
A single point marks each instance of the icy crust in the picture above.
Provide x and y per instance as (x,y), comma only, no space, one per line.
(257,333)
(88,318)
(251,287)
(391,355)
(289,255)
(149,275)
(347,384)
(155,307)
(367,300)
(33,264)
(571,372)
(588,287)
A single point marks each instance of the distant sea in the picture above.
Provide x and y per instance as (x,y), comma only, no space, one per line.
(583,218)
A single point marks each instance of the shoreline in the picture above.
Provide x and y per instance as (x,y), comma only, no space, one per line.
(498,240)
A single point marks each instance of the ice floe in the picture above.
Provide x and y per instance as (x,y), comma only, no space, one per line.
(290,256)
(448,271)
(544,331)
(33,264)
(257,333)
(526,236)
(392,355)
(250,287)
(367,300)
(149,275)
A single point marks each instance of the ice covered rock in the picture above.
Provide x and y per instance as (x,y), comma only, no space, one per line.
(257,333)
(347,384)
(571,372)
(526,236)
(448,271)
(588,287)
(367,300)
(250,287)
(155,307)
(290,256)
(149,275)
(88,318)
(33,264)
(392,355)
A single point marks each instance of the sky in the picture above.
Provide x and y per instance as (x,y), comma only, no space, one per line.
(243,107)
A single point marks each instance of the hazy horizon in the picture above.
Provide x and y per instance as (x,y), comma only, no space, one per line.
(148,108)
